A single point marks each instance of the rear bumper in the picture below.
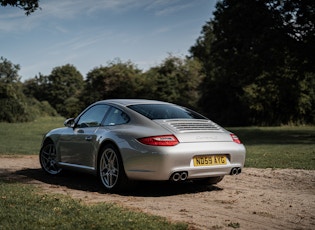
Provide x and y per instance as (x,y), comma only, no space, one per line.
(159,163)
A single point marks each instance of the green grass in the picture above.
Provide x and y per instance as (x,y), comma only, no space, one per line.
(23,207)
(279,147)
(25,138)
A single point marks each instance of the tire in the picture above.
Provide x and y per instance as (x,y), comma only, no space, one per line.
(210,180)
(48,159)
(110,169)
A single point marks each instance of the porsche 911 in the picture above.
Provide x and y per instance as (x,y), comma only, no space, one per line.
(126,140)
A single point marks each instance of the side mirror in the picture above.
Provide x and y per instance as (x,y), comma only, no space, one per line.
(69,123)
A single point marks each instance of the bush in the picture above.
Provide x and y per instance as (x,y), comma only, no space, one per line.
(41,108)
(15,107)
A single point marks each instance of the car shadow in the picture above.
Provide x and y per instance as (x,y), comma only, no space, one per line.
(90,183)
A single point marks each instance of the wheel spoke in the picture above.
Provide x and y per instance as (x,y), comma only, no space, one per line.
(109,169)
(48,159)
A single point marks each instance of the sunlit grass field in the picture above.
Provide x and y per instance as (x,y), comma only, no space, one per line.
(272,147)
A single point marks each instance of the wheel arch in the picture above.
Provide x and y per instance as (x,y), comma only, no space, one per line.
(102,145)
(47,140)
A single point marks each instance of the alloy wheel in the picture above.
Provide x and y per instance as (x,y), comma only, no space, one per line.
(48,159)
(109,168)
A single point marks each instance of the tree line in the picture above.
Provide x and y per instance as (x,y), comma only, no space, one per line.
(253,64)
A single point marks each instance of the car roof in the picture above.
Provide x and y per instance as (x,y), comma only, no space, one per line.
(127,102)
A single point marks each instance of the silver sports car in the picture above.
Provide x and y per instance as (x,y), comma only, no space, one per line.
(122,141)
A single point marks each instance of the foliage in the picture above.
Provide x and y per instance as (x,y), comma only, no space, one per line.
(257,63)
(61,89)
(37,87)
(116,80)
(15,106)
(40,108)
(63,83)
(23,207)
(175,80)
(12,101)
(9,71)
(29,6)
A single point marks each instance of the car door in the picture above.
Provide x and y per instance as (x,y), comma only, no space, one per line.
(78,145)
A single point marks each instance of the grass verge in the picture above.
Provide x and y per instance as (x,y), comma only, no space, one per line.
(279,147)
(22,207)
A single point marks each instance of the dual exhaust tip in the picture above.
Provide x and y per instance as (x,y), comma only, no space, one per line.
(179,176)
(182,176)
(235,171)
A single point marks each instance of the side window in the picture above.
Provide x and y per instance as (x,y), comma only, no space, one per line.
(116,117)
(93,117)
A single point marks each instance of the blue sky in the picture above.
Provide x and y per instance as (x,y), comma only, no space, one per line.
(88,34)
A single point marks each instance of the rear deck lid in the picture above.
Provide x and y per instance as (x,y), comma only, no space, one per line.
(195,130)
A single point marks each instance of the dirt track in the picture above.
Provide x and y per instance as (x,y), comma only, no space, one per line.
(255,199)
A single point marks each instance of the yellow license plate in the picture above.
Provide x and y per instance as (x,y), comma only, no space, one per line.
(209,160)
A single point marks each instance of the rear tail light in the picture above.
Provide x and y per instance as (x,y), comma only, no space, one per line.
(235,139)
(165,140)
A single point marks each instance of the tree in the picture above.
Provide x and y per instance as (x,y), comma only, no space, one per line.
(253,61)
(11,99)
(9,71)
(15,106)
(37,87)
(29,6)
(165,80)
(175,80)
(63,83)
(116,80)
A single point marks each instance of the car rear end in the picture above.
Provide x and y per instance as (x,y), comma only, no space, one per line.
(193,149)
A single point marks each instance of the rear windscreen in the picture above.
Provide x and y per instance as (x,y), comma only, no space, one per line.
(165,111)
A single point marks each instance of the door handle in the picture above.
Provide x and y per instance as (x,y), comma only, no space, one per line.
(89,138)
